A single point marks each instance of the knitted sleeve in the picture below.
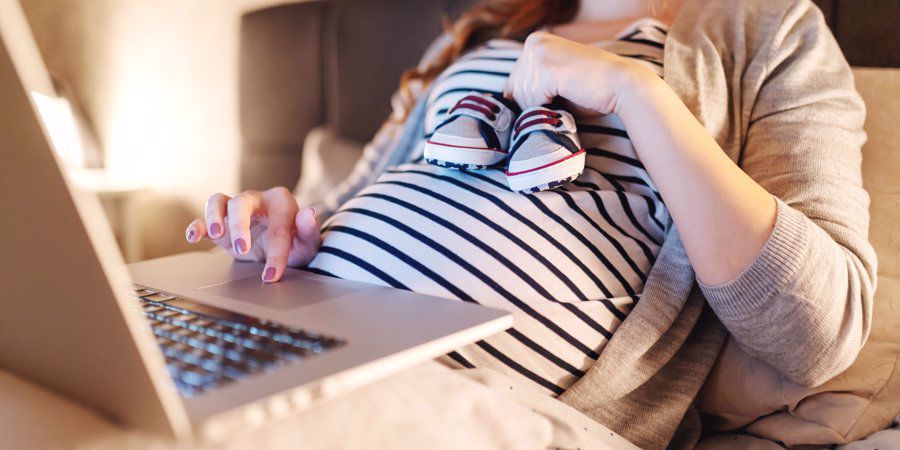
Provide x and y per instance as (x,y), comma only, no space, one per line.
(804,304)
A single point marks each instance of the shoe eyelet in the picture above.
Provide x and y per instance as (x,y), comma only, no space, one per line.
(495,109)
(557,116)
(492,117)
(558,123)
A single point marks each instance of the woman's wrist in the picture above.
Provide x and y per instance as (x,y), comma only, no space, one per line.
(637,86)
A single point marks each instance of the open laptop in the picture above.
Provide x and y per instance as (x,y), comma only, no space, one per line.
(200,346)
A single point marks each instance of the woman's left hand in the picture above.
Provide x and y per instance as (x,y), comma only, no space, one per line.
(551,66)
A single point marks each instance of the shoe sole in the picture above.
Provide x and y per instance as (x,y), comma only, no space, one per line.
(462,157)
(547,176)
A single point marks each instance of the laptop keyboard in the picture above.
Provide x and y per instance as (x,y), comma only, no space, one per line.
(206,347)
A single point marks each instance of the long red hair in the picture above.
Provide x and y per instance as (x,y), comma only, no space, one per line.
(489,19)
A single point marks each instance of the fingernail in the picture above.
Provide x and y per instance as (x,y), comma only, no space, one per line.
(311,221)
(269,274)
(315,215)
(240,245)
(215,229)
(191,234)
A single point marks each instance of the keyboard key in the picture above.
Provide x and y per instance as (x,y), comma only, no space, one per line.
(260,331)
(201,322)
(211,365)
(234,354)
(254,342)
(166,313)
(165,327)
(140,292)
(195,376)
(151,308)
(158,297)
(195,357)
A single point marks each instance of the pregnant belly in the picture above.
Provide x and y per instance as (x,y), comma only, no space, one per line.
(465,235)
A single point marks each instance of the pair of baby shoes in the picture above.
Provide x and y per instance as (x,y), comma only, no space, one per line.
(537,147)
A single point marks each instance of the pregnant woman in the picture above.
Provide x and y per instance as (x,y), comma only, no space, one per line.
(711,185)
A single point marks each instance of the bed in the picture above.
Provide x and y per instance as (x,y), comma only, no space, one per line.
(304,112)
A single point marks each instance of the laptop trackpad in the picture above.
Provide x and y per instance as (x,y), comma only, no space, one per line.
(294,290)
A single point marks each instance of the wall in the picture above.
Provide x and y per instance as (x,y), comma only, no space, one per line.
(158,82)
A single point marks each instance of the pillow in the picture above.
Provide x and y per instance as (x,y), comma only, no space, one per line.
(327,159)
(742,391)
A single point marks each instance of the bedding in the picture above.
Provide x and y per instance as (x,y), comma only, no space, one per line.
(428,406)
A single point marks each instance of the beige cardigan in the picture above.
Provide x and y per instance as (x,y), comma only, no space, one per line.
(768,81)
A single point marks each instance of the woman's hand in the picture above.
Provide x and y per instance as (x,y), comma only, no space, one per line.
(257,226)
(590,79)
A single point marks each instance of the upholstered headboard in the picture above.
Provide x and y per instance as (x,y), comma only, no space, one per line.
(863,28)
(333,62)
(336,62)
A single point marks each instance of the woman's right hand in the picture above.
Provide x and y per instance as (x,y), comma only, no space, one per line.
(260,226)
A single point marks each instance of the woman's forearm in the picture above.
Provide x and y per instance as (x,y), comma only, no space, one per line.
(723,217)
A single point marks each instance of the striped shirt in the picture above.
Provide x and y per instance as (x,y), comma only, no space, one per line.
(568,263)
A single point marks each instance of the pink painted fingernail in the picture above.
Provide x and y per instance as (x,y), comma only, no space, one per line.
(309,223)
(240,245)
(191,234)
(215,229)
(269,274)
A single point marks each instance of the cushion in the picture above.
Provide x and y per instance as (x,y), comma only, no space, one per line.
(742,391)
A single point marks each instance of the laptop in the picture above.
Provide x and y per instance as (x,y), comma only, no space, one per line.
(189,345)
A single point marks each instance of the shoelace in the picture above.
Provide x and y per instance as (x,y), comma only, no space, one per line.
(550,117)
(484,106)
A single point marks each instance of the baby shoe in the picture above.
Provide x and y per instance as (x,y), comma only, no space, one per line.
(545,152)
(475,134)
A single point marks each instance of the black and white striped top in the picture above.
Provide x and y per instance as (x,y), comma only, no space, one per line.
(569,263)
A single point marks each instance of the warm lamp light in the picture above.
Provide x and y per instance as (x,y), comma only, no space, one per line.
(59,120)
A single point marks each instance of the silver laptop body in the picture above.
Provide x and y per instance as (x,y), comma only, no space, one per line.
(69,321)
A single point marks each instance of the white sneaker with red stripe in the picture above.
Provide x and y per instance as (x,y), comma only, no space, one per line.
(545,151)
(474,136)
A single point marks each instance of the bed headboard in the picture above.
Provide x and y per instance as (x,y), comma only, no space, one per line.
(865,29)
(336,62)
(333,62)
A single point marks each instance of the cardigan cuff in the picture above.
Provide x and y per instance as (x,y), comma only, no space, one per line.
(786,251)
